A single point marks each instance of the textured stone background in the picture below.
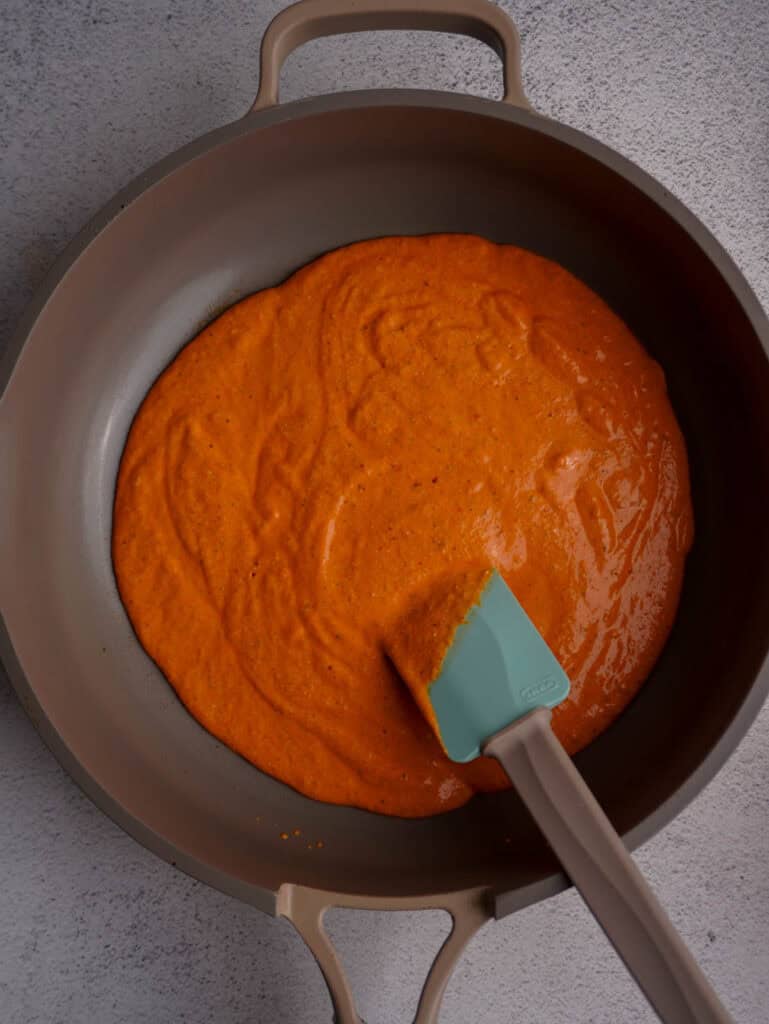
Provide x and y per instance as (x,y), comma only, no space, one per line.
(92,927)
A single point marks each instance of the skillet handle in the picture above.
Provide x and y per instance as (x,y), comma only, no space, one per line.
(311,19)
(305,907)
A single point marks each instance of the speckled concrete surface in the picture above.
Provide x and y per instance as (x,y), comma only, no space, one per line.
(92,927)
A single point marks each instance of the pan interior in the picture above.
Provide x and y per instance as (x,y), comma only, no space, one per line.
(242,215)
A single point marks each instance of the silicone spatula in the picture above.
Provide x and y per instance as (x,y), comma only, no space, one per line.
(486,681)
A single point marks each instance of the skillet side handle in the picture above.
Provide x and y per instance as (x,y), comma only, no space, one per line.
(305,907)
(311,19)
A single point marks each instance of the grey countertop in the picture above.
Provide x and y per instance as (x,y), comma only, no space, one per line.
(93,927)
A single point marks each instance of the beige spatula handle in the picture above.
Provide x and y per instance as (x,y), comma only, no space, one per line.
(597,862)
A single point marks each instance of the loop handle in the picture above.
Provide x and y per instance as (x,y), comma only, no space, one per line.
(311,19)
(304,908)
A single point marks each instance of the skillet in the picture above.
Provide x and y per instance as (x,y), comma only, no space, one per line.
(239,210)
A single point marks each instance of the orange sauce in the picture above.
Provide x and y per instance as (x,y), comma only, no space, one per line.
(396,413)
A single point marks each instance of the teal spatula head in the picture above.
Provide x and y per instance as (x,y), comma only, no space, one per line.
(495,668)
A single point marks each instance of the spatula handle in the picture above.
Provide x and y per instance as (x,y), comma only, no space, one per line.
(599,865)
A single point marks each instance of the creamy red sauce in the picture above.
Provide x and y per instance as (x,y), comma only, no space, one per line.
(328,451)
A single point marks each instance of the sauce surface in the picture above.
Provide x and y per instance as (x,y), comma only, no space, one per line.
(327,452)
